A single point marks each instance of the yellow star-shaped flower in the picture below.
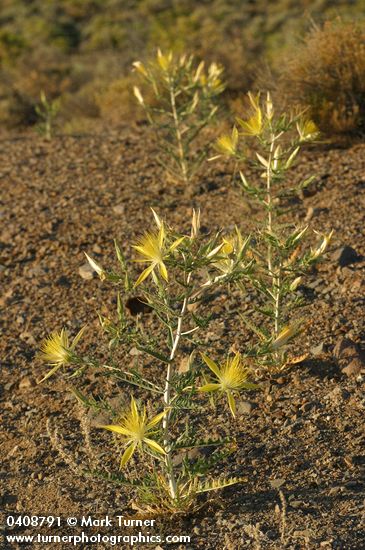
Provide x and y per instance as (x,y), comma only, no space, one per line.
(135,428)
(231,377)
(152,248)
(57,351)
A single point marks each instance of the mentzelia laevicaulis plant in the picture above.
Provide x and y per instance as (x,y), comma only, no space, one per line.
(181,270)
(270,143)
(183,102)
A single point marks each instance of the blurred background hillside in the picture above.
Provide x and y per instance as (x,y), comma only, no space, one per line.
(81,52)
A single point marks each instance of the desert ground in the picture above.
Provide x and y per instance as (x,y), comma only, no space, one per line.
(300,441)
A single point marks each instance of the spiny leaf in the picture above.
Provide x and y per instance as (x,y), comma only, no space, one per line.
(217,484)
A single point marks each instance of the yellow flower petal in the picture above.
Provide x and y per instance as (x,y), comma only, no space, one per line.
(210,387)
(163,271)
(232,403)
(285,335)
(156,419)
(77,337)
(127,455)
(253,126)
(158,220)
(117,429)
(155,446)
(161,236)
(211,364)
(49,373)
(144,275)
(96,267)
(176,243)
(134,409)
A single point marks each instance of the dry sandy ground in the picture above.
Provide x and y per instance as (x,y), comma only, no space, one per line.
(304,433)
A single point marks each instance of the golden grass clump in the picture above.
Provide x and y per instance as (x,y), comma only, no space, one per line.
(326,74)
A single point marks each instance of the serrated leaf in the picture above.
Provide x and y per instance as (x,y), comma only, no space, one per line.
(217,484)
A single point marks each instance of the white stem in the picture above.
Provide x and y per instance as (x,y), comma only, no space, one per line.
(275,278)
(178,132)
(277,303)
(269,205)
(167,394)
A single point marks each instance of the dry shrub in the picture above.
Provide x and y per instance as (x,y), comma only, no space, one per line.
(21,85)
(117,103)
(326,75)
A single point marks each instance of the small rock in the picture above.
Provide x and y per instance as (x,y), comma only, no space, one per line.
(28,338)
(350,357)
(306,534)
(345,255)
(184,365)
(119,209)
(354,367)
(317,350)
(86,272)
(26,383)
(309,214)
(277,483)
(35,271)
(344,348)
(135,352)
(335,491)
(296,504)
(97,249)
(193,307)
(245,407)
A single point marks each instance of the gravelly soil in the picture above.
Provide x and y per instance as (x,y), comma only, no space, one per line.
(304,433)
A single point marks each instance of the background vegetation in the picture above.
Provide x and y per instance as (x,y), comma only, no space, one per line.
(81,51)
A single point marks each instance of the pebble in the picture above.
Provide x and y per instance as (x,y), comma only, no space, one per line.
(26,383)
(86,272)
(317,350)
(277,483)
(135,352)
(306,534)
(97,249)
(354,368)
(296,504)
(119,209)
(245,407)
(28,338)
